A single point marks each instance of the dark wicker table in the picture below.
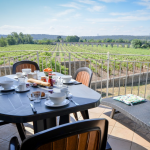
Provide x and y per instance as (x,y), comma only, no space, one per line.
(15,108)
(140,113)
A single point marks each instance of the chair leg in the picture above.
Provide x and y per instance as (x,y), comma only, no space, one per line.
(76,115)
(23,127)
(21,131)
(14,144)
(85,114)
(108,147)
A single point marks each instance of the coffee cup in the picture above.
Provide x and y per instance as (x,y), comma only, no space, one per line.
(22,87)
(19,74)
(65,90)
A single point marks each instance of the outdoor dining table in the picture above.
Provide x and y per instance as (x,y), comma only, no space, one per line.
(15,107)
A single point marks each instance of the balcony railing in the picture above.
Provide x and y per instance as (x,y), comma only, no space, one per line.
(111,77)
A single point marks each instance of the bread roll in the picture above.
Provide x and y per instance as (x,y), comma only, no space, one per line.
(39,82)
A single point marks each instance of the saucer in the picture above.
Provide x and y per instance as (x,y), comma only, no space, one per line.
(10,89)
(20,91)
(15,77)
(70,82)
(49,103)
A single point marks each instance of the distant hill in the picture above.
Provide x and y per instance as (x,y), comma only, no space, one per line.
(124,37)
(46,36)
(1,35)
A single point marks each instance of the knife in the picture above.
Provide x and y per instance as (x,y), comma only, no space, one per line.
(77,83)
(33,109)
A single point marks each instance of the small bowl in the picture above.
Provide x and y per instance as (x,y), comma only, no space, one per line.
(46,73)
(66,78)
(26,71)
(57,98)
(6,84)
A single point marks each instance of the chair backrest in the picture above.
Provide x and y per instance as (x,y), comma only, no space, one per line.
(81,135)
(18,66)
(84,75)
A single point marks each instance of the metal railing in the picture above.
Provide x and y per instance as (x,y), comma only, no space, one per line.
(110,77)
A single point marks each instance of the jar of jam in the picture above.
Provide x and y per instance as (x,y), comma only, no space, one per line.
(43,79)
(50,80)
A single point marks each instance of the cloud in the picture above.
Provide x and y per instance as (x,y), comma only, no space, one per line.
(7,29)
(118,14)
(119,19)
(66,12)
(77,15)
(112,1)
(144,3)
(96,8)
(51,28)
(135,13)
(71,5)
(87,1)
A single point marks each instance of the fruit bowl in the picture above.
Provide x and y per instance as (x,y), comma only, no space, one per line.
(47,71)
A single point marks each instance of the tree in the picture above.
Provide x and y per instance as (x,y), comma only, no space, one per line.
(15,36)
(80,40)
(11,40)
(72,38)
(136,43)
(3,42)
(58,37)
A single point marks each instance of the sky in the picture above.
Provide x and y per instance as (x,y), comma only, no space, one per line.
(75,17)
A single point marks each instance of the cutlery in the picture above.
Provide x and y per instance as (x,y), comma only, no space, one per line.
(70,98)
(77,83)
(73,101)
(6,93)
(33,109)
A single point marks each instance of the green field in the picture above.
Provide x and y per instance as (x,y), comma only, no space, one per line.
(61,52)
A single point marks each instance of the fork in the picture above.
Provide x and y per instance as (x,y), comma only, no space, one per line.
(70,98)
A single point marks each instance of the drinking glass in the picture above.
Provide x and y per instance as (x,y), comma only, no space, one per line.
(37,96)
(37,73)
(47,96)
(59,82)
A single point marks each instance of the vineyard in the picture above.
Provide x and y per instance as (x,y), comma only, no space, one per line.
(95,57)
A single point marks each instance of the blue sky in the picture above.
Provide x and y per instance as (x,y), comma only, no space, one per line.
(75,17)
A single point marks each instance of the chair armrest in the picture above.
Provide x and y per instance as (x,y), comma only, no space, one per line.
(108,147)
(14,144)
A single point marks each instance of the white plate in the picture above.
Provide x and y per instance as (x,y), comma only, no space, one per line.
(5,90)
(49,103)
(27,89)
(71,81)
(32,98)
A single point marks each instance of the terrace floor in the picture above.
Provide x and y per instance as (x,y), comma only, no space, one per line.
(124,134)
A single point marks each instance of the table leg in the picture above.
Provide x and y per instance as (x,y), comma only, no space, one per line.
(44,124)
(76,116)
(64,119)
(21,131)
(85,114)
(112,113)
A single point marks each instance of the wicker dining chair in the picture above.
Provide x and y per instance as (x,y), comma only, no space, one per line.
(81,135)
(83,75)
(18,66)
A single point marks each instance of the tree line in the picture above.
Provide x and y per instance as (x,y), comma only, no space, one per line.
(14,38)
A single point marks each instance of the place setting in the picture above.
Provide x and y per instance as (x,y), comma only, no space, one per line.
(67,80)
